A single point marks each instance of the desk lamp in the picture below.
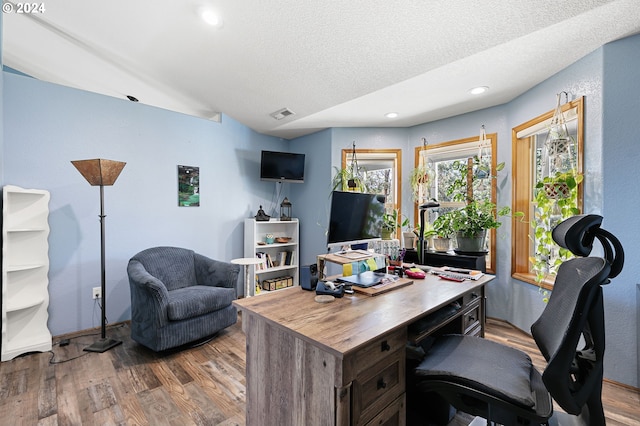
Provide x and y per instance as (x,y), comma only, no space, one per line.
(101,172)
(432,203)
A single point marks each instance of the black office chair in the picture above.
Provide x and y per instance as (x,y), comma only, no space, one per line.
(499,383)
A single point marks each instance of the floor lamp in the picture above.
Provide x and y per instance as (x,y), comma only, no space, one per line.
(101,172)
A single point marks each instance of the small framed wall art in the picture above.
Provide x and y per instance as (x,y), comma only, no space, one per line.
(188,186)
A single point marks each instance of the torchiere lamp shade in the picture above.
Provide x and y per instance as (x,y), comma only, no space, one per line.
(99,171)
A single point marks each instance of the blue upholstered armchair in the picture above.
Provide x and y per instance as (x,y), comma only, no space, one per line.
(179,297)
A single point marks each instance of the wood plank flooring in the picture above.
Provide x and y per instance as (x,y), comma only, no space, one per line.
(130,385)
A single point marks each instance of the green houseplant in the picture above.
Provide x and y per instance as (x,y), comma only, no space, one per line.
(472,221)
(419,180)
(391,222)
(443,232)
(347,180)
(556,199)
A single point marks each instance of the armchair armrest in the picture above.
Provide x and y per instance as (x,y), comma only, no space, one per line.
(215,272)
(149,294)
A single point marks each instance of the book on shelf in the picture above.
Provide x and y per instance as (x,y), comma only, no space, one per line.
(266,261)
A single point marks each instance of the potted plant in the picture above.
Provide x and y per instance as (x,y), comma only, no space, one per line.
(409,235)
(419,179)
(347,180)
(443,231)
(556,199)
(472,221)
(391,222)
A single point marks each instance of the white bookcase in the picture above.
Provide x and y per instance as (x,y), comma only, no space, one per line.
(25,268)
(255,245)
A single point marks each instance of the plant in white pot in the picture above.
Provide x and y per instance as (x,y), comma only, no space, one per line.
(444,231)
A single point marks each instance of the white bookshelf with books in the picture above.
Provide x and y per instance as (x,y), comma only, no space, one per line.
(275,243)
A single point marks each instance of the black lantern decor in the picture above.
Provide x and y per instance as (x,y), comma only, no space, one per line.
(285,209)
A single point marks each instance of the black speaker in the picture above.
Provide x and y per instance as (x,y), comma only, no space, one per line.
(309,277)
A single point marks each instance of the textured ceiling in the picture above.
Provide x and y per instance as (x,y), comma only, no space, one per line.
(332,62)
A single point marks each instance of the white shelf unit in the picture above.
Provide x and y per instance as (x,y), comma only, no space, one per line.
(25,269)
(255,233)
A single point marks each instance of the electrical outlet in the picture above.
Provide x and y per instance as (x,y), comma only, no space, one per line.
(97,293)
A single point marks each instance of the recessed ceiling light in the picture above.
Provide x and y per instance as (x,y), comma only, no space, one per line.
(391,115)
(211,17)
(478,90)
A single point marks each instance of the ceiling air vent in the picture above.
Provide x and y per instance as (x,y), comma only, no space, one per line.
(284,112)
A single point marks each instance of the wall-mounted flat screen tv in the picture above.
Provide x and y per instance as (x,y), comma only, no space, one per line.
(355,218)
(282,167)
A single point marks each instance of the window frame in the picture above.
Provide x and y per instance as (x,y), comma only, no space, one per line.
(493,138)
(523,155)
(392,154)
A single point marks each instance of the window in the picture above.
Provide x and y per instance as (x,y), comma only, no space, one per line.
(380,171)
(533,253)
(443,158)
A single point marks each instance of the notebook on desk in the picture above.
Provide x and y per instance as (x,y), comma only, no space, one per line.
(367,279)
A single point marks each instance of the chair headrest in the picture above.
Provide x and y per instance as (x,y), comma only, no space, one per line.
(577,233)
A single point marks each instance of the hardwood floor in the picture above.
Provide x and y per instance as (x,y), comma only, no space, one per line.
(130,385)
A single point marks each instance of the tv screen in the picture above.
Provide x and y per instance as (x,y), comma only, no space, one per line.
(355,218)
(282,166)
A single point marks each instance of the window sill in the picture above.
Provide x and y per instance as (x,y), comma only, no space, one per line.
(547,284)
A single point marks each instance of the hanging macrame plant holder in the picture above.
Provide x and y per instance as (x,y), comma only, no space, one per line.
(556,191)
(354,181)
(423,175)
(483,169)
(559,145)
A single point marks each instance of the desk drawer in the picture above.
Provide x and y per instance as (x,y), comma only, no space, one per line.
(378,386)
(471,318)
(393,415)
(369,355)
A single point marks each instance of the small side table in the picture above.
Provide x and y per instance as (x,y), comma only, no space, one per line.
(246,262)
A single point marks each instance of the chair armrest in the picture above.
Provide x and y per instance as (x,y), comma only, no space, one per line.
(215,273)
(148,293)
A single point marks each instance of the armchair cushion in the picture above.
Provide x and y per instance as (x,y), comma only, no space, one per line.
(189,302)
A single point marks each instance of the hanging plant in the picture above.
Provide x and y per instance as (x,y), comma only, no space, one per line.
(420,180)
(342,178)
(556,199)
(555,196)
(350,179)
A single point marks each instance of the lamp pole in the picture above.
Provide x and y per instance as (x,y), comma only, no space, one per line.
(99,172)
(103,344)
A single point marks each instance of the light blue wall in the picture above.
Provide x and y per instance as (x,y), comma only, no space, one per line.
(620,165)
(310,200)
(46,126)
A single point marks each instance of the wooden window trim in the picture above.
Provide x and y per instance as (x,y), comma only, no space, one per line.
(493,137)
(522,182)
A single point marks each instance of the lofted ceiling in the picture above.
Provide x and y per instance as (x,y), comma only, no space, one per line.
(332,63)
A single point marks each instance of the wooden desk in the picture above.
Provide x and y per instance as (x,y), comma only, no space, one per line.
(343,362)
